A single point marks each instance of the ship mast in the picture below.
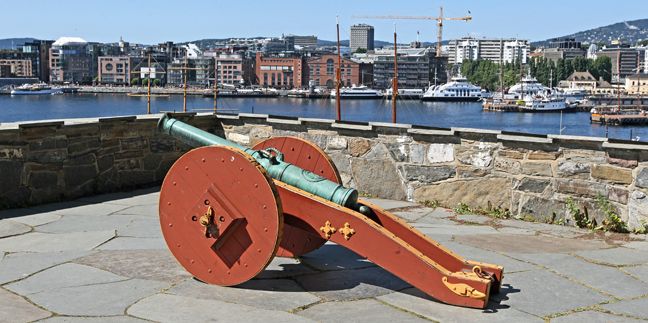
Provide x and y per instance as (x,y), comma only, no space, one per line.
(338,72)
(395,79)
(215,84)
(184,93)
(148,93)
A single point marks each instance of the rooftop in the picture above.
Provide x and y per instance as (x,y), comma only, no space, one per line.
(104,257)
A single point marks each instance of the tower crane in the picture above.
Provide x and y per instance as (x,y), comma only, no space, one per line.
(438,19)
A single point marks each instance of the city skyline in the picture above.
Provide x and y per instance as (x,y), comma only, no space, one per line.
(204,19)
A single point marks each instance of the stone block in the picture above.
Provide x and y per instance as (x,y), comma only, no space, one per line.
(540,209)
(83,145)
(580,187)
(151,161)
(612,174)
(475,193)
(378,177)
(105,163)
(642,178)
(427,174)
(43,180)
(627,163)
(260,132)
(239,138)
(9,152)
(54,156)
(399,151)
(76,176)
(533,185)
(593,156)
(511,153)
(478,155)
(617,194)
(537,168)
(572,168)
(440,153)
(46,143)
(133,143)
(470,171)
(417,153)
(358,146)
(508,165)
(637,210)
(11,173)
(85,159)
(134,178)
(336,142)
(342,161)
(543,155)
(161,144)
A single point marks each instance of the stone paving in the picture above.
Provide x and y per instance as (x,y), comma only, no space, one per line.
(103,259)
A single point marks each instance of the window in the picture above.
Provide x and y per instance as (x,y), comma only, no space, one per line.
(109,67)
(330,66)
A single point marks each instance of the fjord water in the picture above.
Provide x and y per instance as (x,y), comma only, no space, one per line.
(435,114)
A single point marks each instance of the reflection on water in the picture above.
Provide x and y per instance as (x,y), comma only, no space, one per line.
(438,114)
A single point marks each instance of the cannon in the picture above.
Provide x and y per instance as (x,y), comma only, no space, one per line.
(227,210)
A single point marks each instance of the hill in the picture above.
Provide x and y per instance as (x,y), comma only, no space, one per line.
(629,32)
(10,43)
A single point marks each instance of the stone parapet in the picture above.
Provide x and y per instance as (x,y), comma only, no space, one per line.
(530,175)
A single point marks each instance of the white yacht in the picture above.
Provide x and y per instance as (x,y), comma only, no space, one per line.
(357,92)
(543,103)
(527,86)
(457,90)
(36,89)
(405,94)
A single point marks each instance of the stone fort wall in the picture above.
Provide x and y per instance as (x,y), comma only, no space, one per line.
(530,175)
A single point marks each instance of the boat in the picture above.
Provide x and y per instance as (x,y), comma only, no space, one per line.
(405,94)
(527,86)
(357,92)
(543,103)
(36,89)
(457,90)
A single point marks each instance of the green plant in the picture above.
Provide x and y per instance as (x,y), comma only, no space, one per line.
(462,208)
(643,229)
(499,213)
(135,81)
(612,221)
(431,204)
(156,82)
(580,217)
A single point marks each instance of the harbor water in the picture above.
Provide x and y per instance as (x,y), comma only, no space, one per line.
(435,114)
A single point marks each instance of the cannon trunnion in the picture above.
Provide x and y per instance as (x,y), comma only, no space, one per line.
(226,211)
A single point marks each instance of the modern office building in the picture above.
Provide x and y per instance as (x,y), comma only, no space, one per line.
(362,36)
(38,52)
(279,71)
(563,48)
(114,70)
(301,42)
(70,62)
(17,67)
(624,61)
(497,50)
(417,68)
(322,71)
(229,69)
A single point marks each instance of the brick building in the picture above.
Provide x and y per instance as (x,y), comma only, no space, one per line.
(321,70)
(114,70)
(18,67)
(280,72)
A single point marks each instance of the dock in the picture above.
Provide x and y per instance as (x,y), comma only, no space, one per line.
(623,119)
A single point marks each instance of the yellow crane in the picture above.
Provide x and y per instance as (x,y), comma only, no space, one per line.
(438,19)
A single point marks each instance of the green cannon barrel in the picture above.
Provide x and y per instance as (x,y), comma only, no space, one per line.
(274,165)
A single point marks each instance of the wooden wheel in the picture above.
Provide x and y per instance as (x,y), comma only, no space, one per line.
(220,215)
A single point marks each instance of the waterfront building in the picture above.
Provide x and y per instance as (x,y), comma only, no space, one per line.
(5,70)
(199,71)
(506,50)
(140,68)
(17,67)
(114,70)
(229,69)
(624,61)
(417,68)
(279,71)
(38,52)
(636,84)
(579,80)
(69,61)
(362,36)
(321,70)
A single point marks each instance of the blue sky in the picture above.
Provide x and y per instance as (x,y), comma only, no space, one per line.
(154,22)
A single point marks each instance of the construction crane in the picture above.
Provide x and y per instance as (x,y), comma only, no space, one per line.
(438,19)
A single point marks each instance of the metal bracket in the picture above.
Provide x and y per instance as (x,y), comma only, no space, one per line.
(347,231)
(462,289)
(207,221)
(327,229)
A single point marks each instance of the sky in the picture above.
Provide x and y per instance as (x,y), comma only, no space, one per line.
(151,22)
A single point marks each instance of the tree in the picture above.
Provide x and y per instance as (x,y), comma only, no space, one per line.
(602,67)
(145,81)
(361,50)
(156,82)
(135,81)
